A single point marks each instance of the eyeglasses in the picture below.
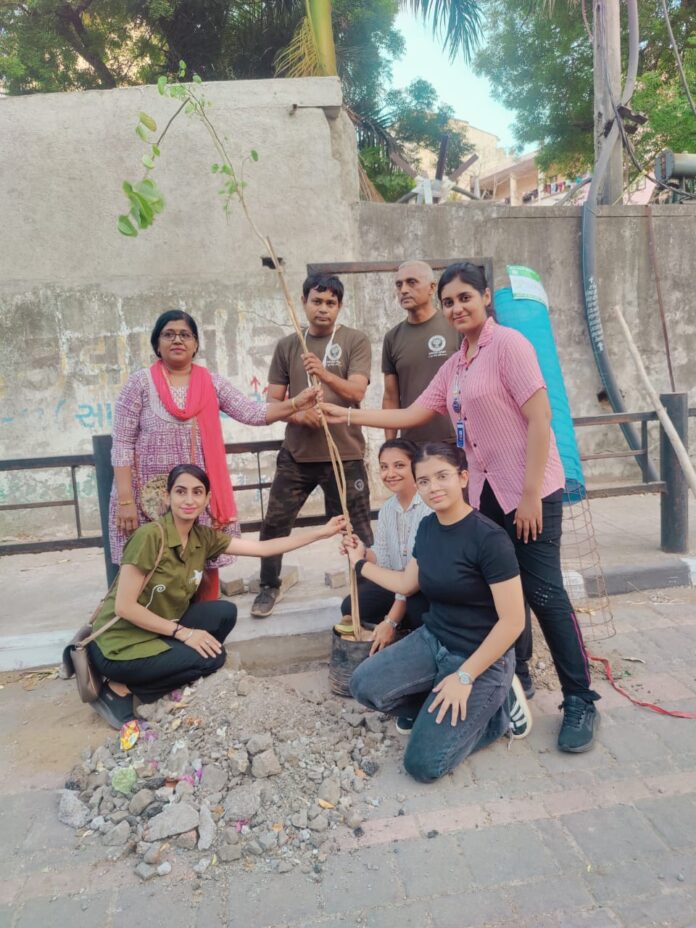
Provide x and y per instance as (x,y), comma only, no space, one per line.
(171,336)
(440,479)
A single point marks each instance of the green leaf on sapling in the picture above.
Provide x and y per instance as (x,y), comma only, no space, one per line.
(254,155)
(148,162)
(148,122)
(140,131)
(162,84)
(126,227)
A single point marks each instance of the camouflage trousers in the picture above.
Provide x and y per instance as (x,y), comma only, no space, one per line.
(292,484)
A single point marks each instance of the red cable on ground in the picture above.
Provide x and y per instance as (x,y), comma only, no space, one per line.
(675,713)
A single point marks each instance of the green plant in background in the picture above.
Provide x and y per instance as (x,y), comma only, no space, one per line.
(389,181)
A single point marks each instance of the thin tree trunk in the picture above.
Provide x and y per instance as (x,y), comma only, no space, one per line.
(70,26)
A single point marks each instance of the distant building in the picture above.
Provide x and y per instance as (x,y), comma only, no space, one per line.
(498,175)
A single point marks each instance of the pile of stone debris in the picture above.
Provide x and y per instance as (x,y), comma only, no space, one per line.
(236,768)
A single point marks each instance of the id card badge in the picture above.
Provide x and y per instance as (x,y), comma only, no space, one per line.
(460,434)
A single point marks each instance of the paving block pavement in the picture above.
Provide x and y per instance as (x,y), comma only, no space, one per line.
(519,836)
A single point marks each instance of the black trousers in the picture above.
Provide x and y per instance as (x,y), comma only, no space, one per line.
(292,484)
(149,678)
(376,602)
(542,583)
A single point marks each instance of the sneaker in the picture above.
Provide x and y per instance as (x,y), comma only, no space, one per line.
(527,683)
(114,709)
(580,722)
(518,710)
(404,724)
(265,602)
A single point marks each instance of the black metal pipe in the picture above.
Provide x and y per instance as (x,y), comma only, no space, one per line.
(674,508)
(101,445)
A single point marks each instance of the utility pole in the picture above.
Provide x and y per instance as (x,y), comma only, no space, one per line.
(607,84)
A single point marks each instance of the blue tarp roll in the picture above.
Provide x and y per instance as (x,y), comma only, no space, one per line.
(531,318)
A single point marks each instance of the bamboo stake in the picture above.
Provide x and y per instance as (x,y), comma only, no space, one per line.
(666,422)
(334,454)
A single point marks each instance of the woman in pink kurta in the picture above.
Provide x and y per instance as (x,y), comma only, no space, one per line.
(495,395)
(149,439)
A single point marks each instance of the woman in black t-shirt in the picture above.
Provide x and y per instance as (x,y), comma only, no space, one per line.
(462,659)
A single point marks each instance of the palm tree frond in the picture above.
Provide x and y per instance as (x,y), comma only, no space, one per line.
(458,23)
(301,57)
(372,132)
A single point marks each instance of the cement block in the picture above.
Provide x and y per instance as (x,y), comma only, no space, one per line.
(233,587)
(336,579)
(289,576)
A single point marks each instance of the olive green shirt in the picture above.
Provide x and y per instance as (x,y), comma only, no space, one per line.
(169,591)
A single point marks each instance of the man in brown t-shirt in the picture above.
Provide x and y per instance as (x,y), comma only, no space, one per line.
(415,349)
(340,358)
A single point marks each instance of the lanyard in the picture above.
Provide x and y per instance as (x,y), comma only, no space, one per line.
(457,406)
(327,350)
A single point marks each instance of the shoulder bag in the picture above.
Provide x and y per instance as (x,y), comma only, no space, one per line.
(76,660)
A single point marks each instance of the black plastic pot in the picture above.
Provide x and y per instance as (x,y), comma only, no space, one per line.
(345,657)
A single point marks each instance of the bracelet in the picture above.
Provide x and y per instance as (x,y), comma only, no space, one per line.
(188,636)
(177,626)
(293,404)
(350,409)
(394,625)
(359,566)
(125,502)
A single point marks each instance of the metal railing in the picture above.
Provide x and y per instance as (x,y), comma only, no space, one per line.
(672,485)
(71,462)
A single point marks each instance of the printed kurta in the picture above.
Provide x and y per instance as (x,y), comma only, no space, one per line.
(150,441)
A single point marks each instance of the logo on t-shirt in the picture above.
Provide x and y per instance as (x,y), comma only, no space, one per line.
(333,356)
(196,578)
(437,345)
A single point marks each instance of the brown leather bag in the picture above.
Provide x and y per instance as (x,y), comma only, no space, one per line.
(76,660)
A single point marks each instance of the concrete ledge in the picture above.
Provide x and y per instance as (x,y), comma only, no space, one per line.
(296,633)
(628,579)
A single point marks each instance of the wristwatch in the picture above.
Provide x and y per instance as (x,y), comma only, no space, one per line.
(464,678)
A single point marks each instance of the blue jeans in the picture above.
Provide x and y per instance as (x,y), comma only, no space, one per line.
(399,681)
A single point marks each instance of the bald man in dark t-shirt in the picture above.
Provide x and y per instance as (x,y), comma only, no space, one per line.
(415,349)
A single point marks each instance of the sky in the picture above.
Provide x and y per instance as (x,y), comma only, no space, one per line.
(456,84)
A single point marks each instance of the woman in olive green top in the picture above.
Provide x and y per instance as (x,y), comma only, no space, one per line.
(162,641)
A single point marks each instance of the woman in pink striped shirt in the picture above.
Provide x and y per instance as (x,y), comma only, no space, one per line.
(494,392)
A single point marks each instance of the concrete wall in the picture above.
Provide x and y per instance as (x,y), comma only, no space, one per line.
(548,240)
(78,300)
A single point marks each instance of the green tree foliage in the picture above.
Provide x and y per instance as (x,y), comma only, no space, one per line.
(539,62)
(79,44)
(51,45)
(417,117)
(389,181)
(540,67)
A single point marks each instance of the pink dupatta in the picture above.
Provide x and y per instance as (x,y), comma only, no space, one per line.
(203,406)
